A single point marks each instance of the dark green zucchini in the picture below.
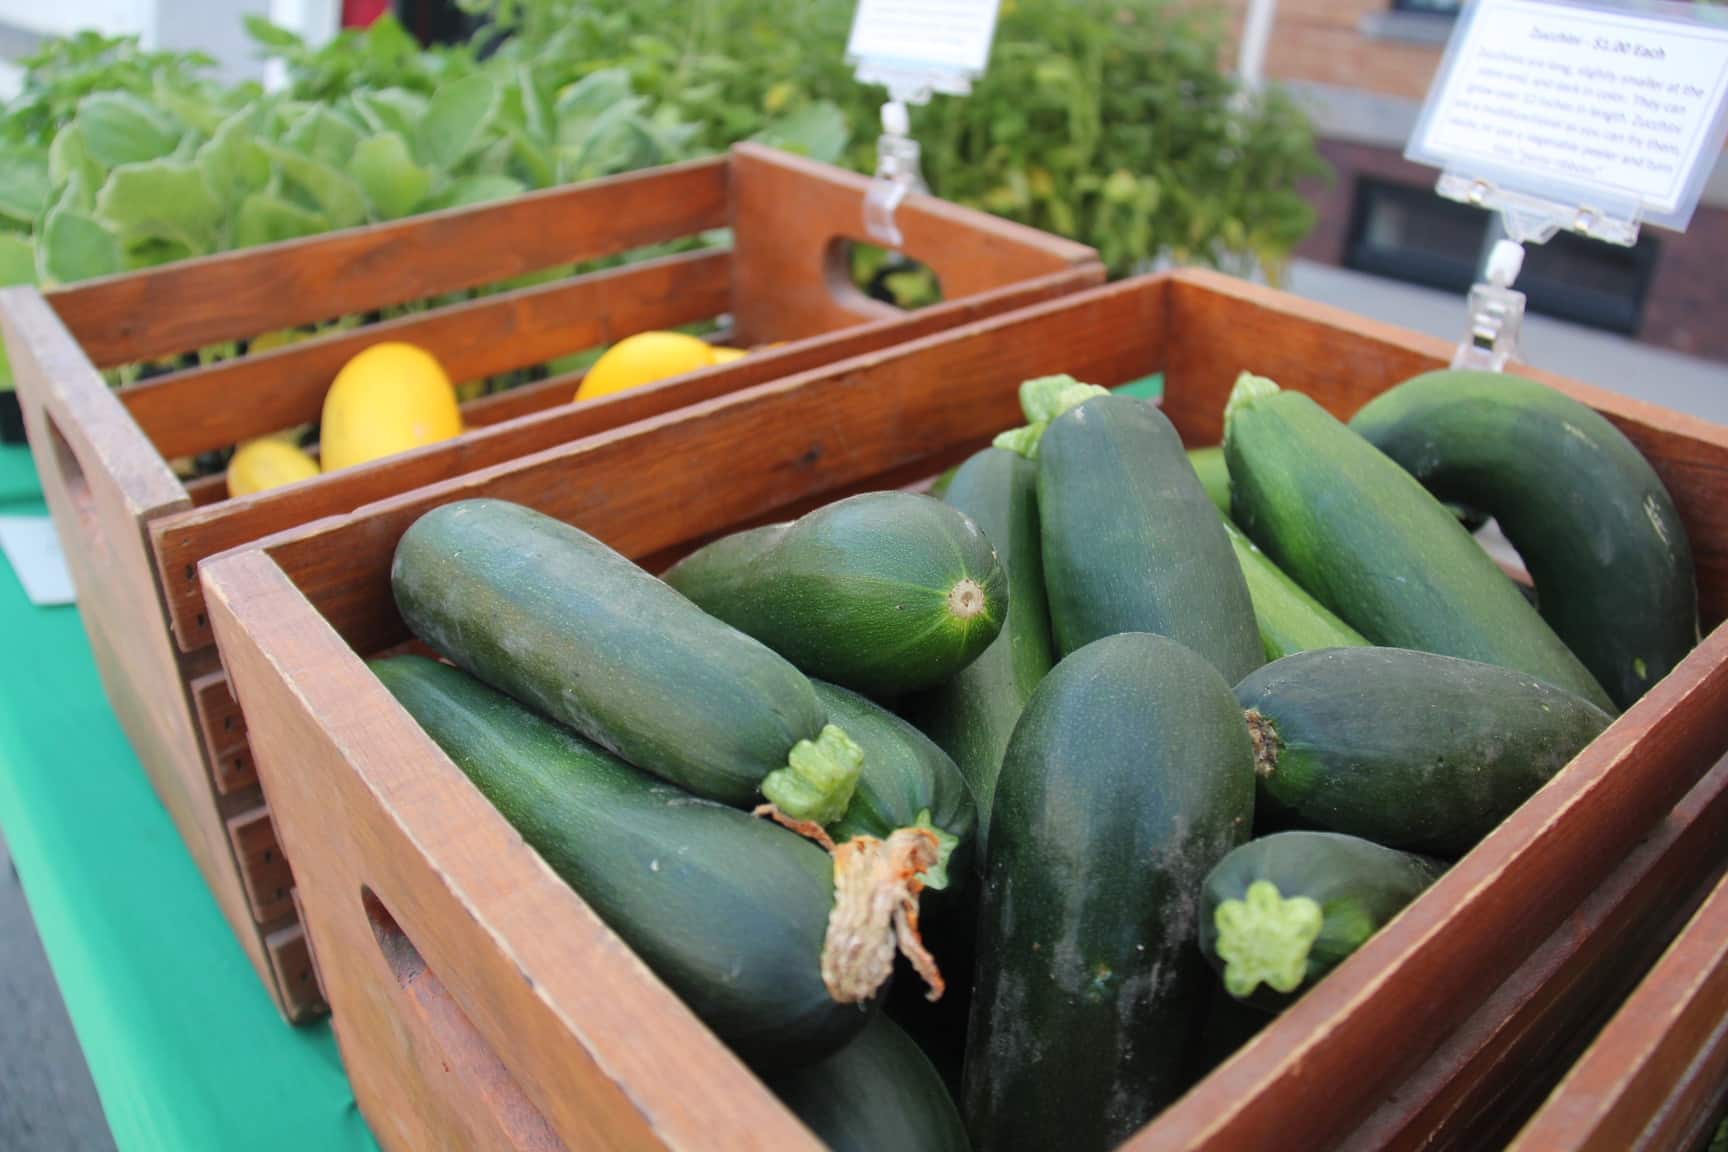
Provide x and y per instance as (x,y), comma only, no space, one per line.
(729,557)
(1288,618)
(1408,749)
(973,715)
(905,781)
(1130,541)
(1284,910)
(730,911)
(1599,533)
(1371,544)
(564,624)
(1129,777)
(877,1094)
(883,593)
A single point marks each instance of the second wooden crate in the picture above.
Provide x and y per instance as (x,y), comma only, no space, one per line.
(133,532)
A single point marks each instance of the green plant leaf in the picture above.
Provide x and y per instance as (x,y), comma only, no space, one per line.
(532,161)
(76,247)
(476,190)
(24,184)
(160,200)
(121,128)
(593,94)
(338,196)
(232,163)
(324,136)
(68,157)
(385,168)
(391,110)
(816,130)
(17,260)
(455,118)
(266,219)
(190,109)
(267,35)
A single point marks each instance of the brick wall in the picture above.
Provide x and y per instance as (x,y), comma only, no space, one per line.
(1321,41)
(1686,308)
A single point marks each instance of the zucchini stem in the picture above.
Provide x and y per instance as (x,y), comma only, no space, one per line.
(1265,938)
(819,777)
(1247,389)
(1042,400)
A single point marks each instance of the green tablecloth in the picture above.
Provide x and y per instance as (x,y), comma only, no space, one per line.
(184,1046)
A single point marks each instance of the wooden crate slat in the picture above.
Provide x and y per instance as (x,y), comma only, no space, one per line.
(296,976)
(263,866)
(1656,1074)
(197,410)
(223,728)
(180,542)
(236,295)
(1545,1012)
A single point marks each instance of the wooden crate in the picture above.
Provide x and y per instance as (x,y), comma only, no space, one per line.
(478,1001)
(133,533)
(1656,1078)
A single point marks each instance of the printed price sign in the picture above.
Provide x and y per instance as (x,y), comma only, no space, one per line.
(947,40)
(1609,109)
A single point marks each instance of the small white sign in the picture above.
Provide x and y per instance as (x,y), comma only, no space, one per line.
(34,551)
(941,37)
(1580,103)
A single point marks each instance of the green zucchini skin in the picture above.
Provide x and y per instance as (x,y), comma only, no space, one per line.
(1408,749)
(729,910)
(1358,885)
(1214,475)
(566,625)
(904,776)
(1129,777)
(1130,541)
(973,715)
(877,1094)
(729,557)
(1597,530)
(1359,533)
(1289,619)
(864,592)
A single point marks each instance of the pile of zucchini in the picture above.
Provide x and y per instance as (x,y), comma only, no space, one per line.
(1014,797)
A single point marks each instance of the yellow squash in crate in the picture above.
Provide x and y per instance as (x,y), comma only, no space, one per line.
(643,359)
(269,462)
(388,399)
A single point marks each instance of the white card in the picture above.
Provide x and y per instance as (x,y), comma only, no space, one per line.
(936,36)
(1582,104)
(34,550)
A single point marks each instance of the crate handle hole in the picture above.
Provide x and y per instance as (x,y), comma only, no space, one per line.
(868,279)
(469,1060)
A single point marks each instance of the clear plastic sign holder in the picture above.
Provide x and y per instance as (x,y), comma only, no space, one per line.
(916,49)
(1571,115)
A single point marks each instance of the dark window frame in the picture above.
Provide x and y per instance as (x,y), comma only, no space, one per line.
(1548,292)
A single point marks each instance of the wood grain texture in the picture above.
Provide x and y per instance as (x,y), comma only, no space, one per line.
(182,541)
(449,1046)
(1539,898)
(1658,1073)
(104,483)
(263,866)
(1478,1087)
(236,295)
(203,409)
(790,280)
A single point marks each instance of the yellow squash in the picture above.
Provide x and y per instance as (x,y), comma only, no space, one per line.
(643,359)
(388,399)
(258,465)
